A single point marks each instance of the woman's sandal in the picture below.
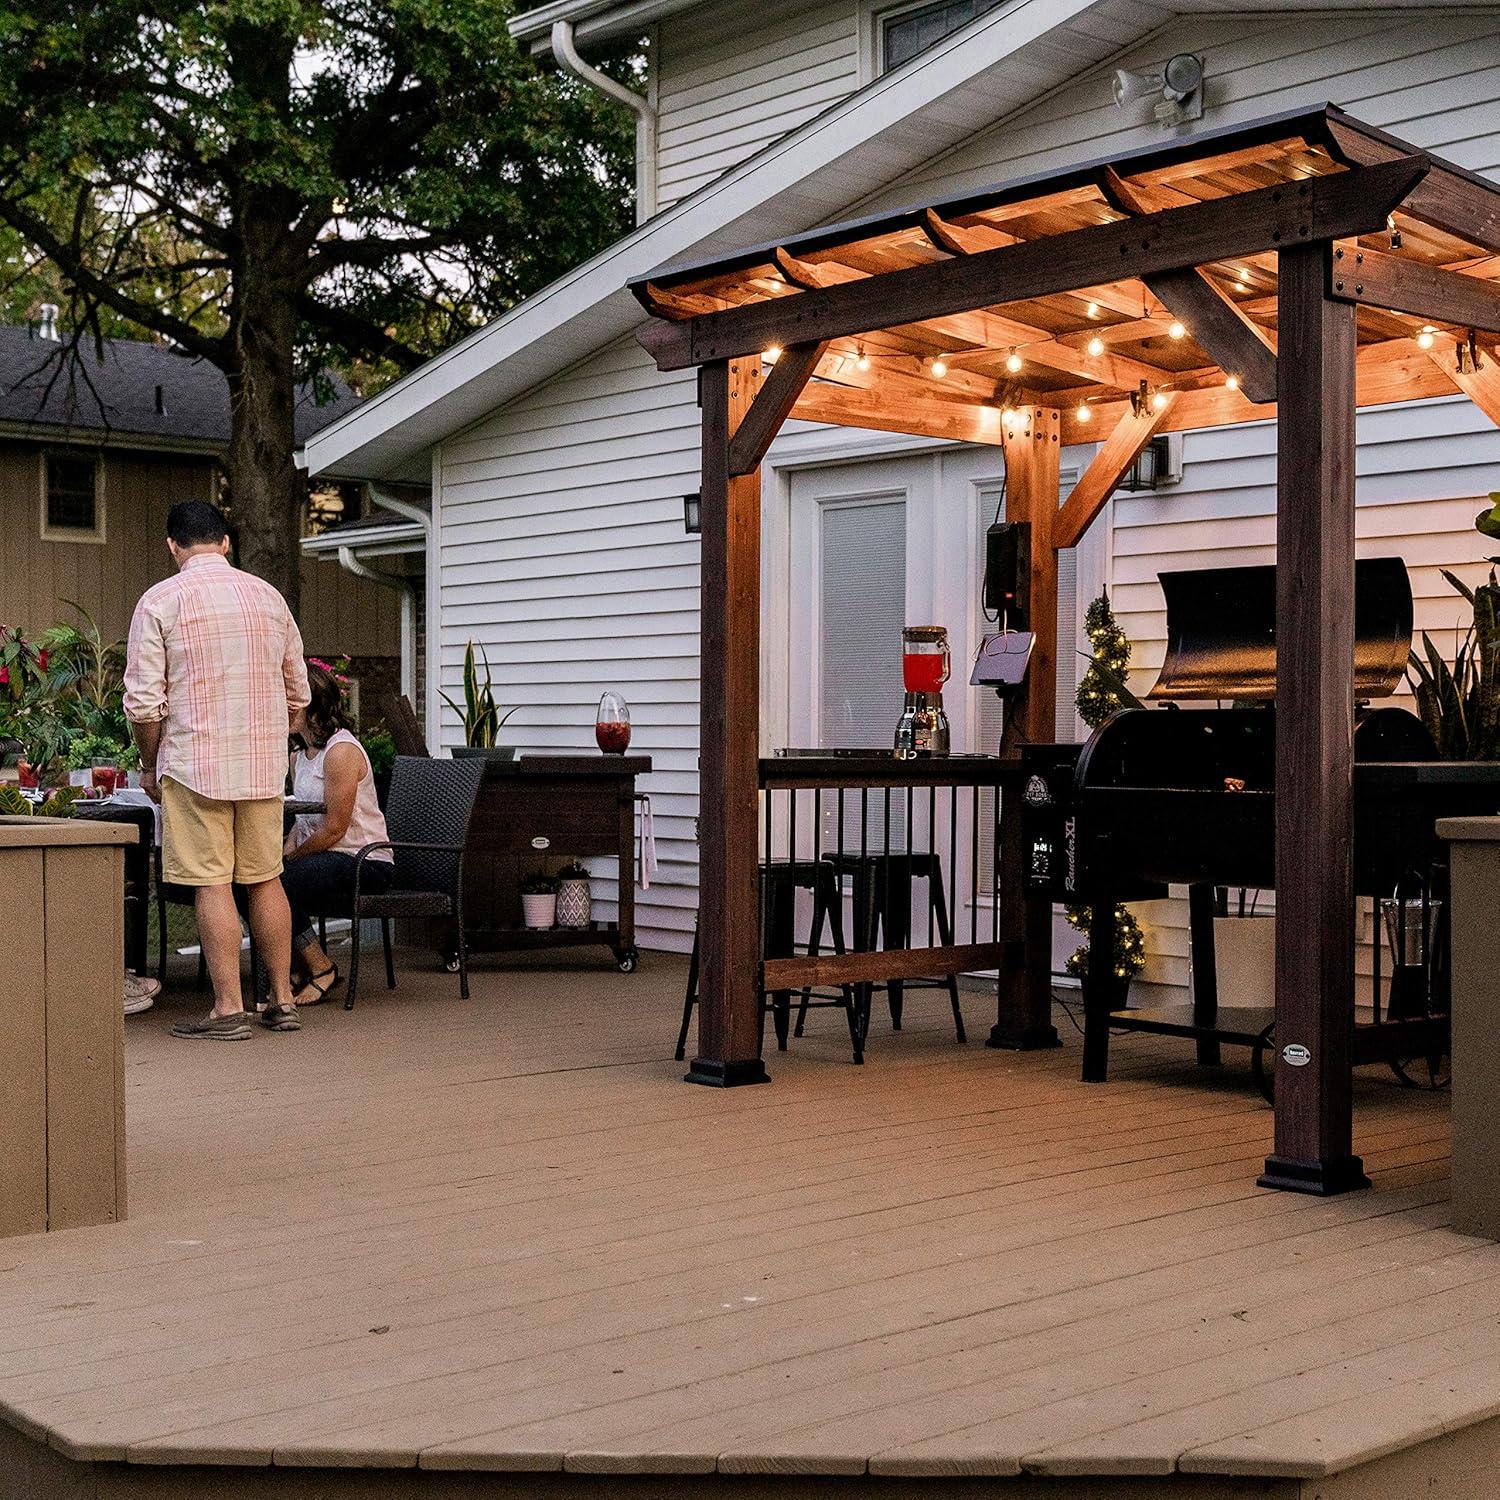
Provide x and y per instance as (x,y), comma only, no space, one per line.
(320,991)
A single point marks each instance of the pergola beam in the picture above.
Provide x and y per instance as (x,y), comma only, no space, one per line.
(758,426)
(1336,206)
(1374,279)
(1229,338)
(1097,482)
(1478,380)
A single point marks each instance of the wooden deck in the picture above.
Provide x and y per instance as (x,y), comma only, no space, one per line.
(500,1236)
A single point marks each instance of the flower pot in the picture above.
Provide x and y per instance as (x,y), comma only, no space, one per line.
(539,911)
(486,752)
(575,903)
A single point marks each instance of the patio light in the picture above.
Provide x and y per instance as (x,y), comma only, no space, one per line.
(1096,346)
(1231,382)
(939,367)
(1176,329)
(1424,339)
(771,355)
(692,514)
(1159,400)
(1014,362)
(863,360)
(1083,413)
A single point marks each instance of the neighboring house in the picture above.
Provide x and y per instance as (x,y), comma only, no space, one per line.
(558,457)
(91,458)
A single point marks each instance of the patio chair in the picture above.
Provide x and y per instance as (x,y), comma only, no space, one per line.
(427,816)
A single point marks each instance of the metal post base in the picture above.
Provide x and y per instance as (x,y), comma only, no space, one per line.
(1023,1038)
(1340,1174)
(726,1075)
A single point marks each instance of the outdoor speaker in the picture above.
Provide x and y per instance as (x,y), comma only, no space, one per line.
(1007,572)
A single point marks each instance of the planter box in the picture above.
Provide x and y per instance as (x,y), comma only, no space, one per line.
(62,1042)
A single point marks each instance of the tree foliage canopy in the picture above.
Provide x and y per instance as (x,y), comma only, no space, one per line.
(420,173)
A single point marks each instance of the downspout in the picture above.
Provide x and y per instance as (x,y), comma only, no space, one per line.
(423,518)
(408,591)
(566,53)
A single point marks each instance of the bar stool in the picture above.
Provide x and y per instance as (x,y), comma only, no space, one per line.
(779,885)
(882,897)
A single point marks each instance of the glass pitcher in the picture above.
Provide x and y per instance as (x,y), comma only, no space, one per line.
(925,660)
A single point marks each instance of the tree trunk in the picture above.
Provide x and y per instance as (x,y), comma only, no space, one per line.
(266,490)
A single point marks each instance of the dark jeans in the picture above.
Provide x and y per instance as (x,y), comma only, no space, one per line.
(322,885)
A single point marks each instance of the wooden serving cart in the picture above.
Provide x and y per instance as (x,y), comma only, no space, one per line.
(537,813)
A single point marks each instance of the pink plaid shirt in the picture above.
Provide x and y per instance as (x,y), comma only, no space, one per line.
(216,654)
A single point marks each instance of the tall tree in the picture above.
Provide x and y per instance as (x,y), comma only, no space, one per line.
(271,183)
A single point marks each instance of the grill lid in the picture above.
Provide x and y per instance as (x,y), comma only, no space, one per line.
(1221,631)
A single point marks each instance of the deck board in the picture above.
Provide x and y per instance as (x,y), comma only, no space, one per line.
(499,1236)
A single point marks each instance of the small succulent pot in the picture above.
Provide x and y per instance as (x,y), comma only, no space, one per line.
(575,901)
(539,902)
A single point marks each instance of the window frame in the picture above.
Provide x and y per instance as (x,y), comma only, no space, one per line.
(97,535)
(874,17)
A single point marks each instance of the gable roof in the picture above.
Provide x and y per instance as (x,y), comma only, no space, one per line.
(132,390)
(995,65)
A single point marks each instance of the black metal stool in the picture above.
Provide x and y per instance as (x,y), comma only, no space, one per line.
(882,897)
(779,886)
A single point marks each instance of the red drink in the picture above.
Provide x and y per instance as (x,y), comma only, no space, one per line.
(26,773)
(924,671)
(613,738)
(106,778)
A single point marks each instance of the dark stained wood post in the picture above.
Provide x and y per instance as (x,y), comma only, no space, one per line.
(729,1018)
(1314,732)
(1032,441)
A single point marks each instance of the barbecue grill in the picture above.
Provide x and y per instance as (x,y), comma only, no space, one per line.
(1185,796)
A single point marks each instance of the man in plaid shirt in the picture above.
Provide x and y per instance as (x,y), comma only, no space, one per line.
(214,674)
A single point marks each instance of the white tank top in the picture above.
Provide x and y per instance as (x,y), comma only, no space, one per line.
(366,823)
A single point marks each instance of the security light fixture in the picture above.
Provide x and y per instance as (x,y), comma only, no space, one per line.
(692,514)
(1178,89)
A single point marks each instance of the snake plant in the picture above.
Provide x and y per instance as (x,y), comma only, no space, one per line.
(1460,704)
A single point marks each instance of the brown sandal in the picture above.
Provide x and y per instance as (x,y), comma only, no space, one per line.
(320,991)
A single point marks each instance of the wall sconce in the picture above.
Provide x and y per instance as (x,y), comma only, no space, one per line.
(692,514)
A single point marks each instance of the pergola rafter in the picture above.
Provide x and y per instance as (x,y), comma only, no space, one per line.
(1306,261)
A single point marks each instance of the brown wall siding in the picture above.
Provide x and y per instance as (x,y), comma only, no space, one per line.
(340,613)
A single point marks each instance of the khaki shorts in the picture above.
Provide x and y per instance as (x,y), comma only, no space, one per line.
(209,842)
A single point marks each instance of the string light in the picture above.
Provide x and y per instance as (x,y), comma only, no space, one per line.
(1424,339)
(1395,234)
(1176,329)
(1014,362)
(939,367)
(863,360)
(772,354)
(1231,382)
(1096,346)
(1093,309)
(1243,283)
(1083,413)
(1159,400)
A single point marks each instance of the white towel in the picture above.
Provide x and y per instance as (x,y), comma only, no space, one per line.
(648,843)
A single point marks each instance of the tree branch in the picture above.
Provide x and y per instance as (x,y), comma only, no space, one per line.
(355,332)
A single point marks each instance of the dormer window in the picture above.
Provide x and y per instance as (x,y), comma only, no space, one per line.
(908,30)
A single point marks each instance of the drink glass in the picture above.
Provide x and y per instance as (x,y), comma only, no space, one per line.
(612,724)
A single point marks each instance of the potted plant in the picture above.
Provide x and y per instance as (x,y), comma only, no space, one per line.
(381,748)
(575,901)
(480,713)
(1460,704)
(539,901)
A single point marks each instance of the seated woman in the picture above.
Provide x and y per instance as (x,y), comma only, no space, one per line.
(331,768)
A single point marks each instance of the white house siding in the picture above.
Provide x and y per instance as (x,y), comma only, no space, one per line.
(728,84)
(564,554)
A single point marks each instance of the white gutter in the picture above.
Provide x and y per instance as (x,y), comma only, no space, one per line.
(568,58)
(408,591)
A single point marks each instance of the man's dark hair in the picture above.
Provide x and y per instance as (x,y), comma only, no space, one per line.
(196,523)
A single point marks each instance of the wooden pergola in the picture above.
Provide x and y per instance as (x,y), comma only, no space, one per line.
(1307,263)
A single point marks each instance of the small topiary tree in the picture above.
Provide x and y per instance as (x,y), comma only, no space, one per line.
(1100,692)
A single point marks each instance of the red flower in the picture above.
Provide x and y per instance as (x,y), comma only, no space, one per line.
(41,659)
(4,676)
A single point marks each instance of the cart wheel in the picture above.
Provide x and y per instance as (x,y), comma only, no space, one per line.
(1263,1063)
(1424,1072)
(450,963)
(626,960)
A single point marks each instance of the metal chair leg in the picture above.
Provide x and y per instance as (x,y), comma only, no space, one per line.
(945,932)
(390,965)
(814,945)
(463,953)
(690,999)
(353,984)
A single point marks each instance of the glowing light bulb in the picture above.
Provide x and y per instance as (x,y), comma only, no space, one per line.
(940,367)
(1093,309)
(1014,362)
(1176,329)
(863,362)
(772,354)
(1083,413)
(1424,339)
(1231,382)
(1096,346)
(1159,400)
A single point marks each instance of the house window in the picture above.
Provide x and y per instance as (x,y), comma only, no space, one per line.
(72,506)
(904,33)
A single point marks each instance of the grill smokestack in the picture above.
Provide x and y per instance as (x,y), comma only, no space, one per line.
(48,328)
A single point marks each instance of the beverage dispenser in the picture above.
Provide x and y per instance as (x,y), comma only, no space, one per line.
(925,666)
